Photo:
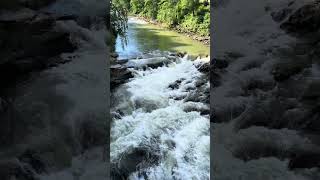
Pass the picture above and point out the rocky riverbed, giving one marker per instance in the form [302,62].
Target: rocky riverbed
[265,90]
[160,112]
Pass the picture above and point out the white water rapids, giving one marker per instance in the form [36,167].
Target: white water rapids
[155,118]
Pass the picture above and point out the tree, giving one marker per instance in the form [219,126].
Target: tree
[136,6]
[119,19]
[151,8]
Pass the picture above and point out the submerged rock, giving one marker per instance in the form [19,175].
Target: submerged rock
[175,85]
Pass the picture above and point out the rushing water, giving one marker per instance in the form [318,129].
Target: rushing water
[159,120]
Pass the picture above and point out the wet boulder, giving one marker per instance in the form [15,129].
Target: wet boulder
[153,62]
[119,75]
[198,96]
[220,63]
[36,42]
[202,81]
[114,55]
[204,67]
[261,113]
[280,15]
[13,169]
[231,56]
[181,54]
[251,149]
[36,4]
[91,133]
[176,84]
[305,160]
[312,91]
[258,85]
[305,20]
[226,112]
[294,118]
[148,105]
[33,158]
[285,69]
[203,109]
[135,160]
[52,155]
[312,123]
[258,142]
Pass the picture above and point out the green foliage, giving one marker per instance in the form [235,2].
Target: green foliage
[168,13]
[119,16]
[190,22]
[186,15]
[119,19]
[136,6]
[150,8]
[198,21]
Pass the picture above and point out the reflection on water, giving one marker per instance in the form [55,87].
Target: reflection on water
[144,38]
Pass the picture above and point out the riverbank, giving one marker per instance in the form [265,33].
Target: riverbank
[203,39]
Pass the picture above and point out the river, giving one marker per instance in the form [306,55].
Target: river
[144,37]
[160,127]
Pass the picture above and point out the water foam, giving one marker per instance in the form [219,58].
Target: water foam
[181,138]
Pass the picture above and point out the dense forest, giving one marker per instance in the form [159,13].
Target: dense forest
[183,15]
